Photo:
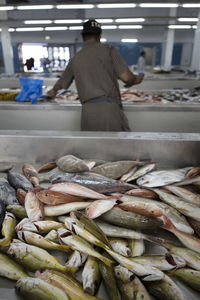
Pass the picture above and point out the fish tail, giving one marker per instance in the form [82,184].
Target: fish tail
[168,224]
[71,270]
[63,248]
[106,261]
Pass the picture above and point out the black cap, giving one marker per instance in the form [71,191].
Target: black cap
[92,27]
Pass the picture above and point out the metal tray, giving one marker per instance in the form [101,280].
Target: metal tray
[170,150]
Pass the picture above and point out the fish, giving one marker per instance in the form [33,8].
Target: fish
[120,232]
[144,193]
[194,172]
[116,169]
[195,225]
[41,227]
[120,246]
[70,163]
[31,174]
[187,209]
[35,239]
[143,208]
[35,258]
[91,276]
[10,269]
[109,280]
[78,243]
[76,259]
[18,210]
[186,239]
[188,276]
[34,208]
[47,167]
[185,194]
[8,229]
[66,283]
[7,193]
[137,247]
[128,174]
[93,181]
[187,181]
[55,198]
[192,258]
[131,220]
[165,262]
[18,181]
[63,209]
[5,167]
[142,171]
[2,213]
[87,228]
[162,178]
[52,236]
[39,289]
[165,289]
[147,272]
[76,190]
[21,195]
[99,207]
[132,287]
[176,218]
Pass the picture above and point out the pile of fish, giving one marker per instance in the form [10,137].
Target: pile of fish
[181,95]
[137,96]
[98,214]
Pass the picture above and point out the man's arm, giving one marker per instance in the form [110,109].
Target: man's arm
[130,79]
[62,83]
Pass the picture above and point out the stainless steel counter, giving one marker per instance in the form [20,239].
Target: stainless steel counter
[142,117]
[177,150]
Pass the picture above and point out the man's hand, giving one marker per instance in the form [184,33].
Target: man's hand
[52,93]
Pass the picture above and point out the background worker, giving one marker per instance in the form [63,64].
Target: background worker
[141,65]
[96,70]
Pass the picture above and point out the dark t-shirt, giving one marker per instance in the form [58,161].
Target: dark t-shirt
[96,69]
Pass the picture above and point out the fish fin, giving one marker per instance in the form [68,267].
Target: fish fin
[156,240]
[168,225]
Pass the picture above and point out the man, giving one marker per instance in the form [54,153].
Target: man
[96,69]
[141,62]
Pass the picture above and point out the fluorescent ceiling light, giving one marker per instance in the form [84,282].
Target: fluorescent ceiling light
[73,21]
[179,26]
[75,28]
[191,5]
[129,20]
[30,7]
[104,20]
[188,19]
[149,5]
[38,22]
[56,28]
[7,7]
[103,40]
[75,6]
[116,5]
[129,40]
[194,26]
[29,29]
[0,29]
[109,27]
[130,26]
[11,29]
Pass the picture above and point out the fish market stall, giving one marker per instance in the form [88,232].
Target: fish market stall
[152,117]
[170,151]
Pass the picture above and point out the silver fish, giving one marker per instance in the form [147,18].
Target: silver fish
[91,276]
[142,171]
[162,178]
[70,163]
[76,259]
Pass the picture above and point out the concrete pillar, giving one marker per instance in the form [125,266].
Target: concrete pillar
[169,43]
[195,65]
[7,50]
